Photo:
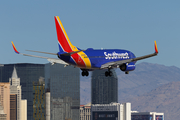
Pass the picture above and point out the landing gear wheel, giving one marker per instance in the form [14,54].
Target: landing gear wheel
[85,73]
[108,73]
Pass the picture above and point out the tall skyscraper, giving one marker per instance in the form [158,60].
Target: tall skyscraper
[64,83]
[28,73]
[39,100]
[5,97]
[104,90]
[15,88]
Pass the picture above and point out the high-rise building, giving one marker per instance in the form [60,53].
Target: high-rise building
[5,97]
[13,106]
[15,88]
[64,83]
[28,73]
[104,90]
[39,100]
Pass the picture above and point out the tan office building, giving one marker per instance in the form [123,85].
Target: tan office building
[5,97]
[2,114]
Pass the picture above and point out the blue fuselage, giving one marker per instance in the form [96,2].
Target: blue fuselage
[99,57]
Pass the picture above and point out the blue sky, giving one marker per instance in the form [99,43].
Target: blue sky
[131,25]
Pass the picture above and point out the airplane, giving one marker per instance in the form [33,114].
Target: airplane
[90,59]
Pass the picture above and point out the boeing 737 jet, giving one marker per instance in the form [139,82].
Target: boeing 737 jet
[90,59]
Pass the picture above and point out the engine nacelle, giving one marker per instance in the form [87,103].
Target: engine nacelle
[128,67]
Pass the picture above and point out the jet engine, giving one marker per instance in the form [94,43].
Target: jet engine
[127,67]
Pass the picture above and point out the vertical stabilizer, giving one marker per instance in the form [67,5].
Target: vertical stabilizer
[63,39]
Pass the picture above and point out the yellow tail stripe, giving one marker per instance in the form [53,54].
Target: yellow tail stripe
[85,59]
[72,46]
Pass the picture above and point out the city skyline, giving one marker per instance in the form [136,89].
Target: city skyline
[27,73]
[49,64]
[130,25]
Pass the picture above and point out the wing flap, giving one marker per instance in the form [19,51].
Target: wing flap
[53,60]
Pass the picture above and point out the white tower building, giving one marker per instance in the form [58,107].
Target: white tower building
[24,109]
[15,88]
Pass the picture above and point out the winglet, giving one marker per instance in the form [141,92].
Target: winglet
[156,49]
[14,47]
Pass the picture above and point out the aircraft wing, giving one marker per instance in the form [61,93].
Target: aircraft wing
[55,60]
[120,62]
[52,60]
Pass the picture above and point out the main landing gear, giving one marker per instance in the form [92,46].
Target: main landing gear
[85,73]
[108,73]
